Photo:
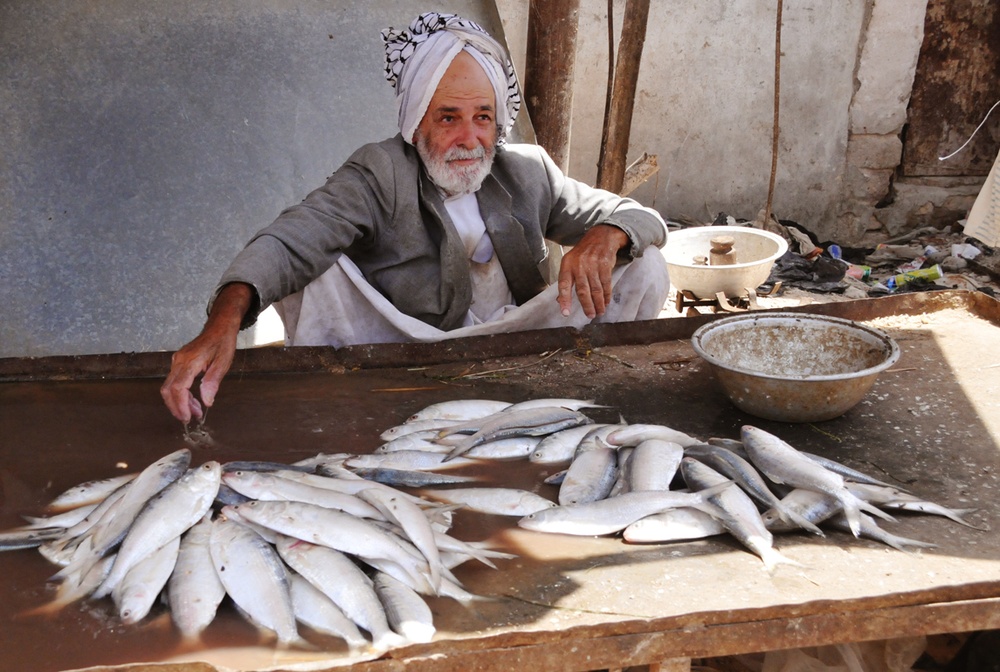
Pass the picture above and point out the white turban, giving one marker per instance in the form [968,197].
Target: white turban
[416,60]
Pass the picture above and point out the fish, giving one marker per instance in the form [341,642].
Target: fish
[167,515]
[528,422]
[459,410]
[314,609]
[273,487]
[340,579]
[406,611]
[634,434]
[138,589]
[870,530]
[63,520]
[731,465]
[609,516]
[424,440]
[415,525]
[784,464]
[411,478]
[891,497]
[511,448]
[653,464]
[680,524]
[329,527]
[845,471]
[417,460]
[497,501]
[559,447]
[557,402]
[412,426]
[812,505]
[590,476]
[194,590]
[89,492]
[254,577]
[738,513]
[117,518]
[28,537]
[262,465]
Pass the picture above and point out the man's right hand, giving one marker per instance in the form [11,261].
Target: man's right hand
[209,355]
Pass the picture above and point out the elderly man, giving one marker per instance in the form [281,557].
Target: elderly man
[435,233]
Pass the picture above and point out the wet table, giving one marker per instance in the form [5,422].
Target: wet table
[931,424]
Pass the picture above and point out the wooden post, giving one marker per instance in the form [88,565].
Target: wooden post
[611,165]
[549,65]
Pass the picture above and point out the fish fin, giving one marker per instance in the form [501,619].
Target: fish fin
[772,557]
[790,516]
[875,511]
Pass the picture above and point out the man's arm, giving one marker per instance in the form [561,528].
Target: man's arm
[210,353]
[587,267]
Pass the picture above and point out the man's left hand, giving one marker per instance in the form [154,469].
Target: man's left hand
[587,267]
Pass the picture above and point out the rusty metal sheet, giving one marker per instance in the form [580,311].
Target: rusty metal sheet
[930,423]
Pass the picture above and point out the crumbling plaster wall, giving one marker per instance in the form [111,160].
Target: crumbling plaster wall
[705,106]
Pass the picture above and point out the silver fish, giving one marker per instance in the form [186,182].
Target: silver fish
[731,465]
[812,505]
[871,530]
[845,471]
[528,422]
[417,460]
[144,581]
[609,516]
[653,464]
[634,434]
[254,577]
[590,476]
[90,492]
[194,590]
[318,611]
[559,447]
[739,514]
[415,426]
[28,537]
[411,519]
[273,487]
[495,501]
[329,527]
[154,478]
[678,524]
[784,464]
[406,478]
[65,520]
[555,402]
[167,515]
[405,609]
[890,497]
[425,440]
[340,579]
[459,409]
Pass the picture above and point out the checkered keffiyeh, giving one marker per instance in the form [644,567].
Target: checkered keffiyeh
[416,58]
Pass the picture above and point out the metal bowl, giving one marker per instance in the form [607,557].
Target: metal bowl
[794,367]
[756,251]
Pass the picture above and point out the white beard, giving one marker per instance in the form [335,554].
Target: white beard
[455,180]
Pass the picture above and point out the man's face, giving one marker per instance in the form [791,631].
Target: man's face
[456,138]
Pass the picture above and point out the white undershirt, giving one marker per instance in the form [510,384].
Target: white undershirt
[491,297]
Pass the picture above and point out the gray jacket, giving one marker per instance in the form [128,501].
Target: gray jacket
[382,210]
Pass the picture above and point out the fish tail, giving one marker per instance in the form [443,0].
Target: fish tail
[772,557]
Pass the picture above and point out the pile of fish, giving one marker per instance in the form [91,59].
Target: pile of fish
[340,554]
[649,483]
[333,543]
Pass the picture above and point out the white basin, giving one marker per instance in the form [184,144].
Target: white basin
[756,250]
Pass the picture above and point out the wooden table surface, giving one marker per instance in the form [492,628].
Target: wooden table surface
[931,424]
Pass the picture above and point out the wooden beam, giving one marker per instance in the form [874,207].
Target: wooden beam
[611,166]
[549,67]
